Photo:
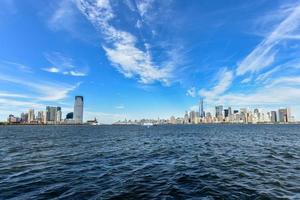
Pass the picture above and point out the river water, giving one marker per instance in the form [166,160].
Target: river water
[159,162]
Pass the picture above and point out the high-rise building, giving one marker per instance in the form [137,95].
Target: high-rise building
[229,111]
[58,114]
[273,116]
[51,114]
[283,115]
[193,117]
[186,118]
[244,115]
[226,112]
[24,117]
[201,109]
[40,117]
[78,110]
[219,112]
[31,116]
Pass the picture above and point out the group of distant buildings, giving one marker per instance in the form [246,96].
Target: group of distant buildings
[242,115]
[223,115]
[52,115]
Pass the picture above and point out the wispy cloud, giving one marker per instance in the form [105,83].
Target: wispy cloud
[143,6]
[224,80]
[191,92]
[12,95]
[265,53]
[63,65]
[15,66]
[122,47]
[47,91]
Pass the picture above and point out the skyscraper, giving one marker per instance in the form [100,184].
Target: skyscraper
[219,111]
[201,109]
[283,115]
[31,115]
[78,110]
[58,114]
[273,116]
[51,114]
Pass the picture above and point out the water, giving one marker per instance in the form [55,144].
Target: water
[160,162]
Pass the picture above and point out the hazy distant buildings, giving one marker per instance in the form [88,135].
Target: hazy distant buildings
[78,110]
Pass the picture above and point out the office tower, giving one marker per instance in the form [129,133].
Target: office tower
[69,115]
[273,116]
[226,112]
[58,114]
[40,117]
[219,112]
[186,118]
[31,116]
[283,115]
[24,117]
[201,109]
[51,114]
[193,117]
[235,112]
[289,115]
[78,110]
[244,115]
[229,111]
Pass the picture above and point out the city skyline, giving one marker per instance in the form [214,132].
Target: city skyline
[139,59]
[54,115]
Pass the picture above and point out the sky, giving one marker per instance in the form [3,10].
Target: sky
[148,58]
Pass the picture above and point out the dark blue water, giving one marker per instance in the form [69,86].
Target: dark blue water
[161,162]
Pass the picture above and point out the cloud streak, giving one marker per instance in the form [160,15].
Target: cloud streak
[225,79]
[264,54]
[121,47]
[62,65]
[45,90]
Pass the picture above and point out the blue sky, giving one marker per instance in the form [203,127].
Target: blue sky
[148,58]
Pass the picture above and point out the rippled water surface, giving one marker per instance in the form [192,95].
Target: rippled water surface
[160,162]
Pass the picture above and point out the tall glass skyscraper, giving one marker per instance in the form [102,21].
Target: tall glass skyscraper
[201,109]
[78,110]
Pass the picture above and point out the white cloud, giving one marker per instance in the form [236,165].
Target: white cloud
[143,6]
[15,66]
[44,90]
[224,78]
[191,92]
[12,95]
[120,107]
[289,80]
[63,65]
[52,69]
[121,47]
[264,54]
